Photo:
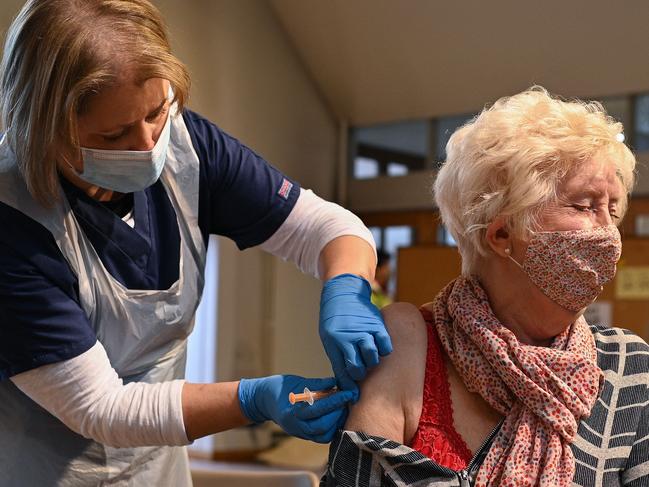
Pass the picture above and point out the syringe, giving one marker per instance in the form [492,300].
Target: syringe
[310,396]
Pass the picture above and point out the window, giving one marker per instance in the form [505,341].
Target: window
[444,237]
[365,168]
[400,148]
[396,169]
[641,123]
[390,239]
[201,347]
[619,108]
[393,149]
[397,149]
[445,128]
[377,233]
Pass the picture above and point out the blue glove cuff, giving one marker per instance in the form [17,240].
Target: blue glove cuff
[246,394]
[346,283]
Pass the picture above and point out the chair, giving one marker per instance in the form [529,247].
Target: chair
[252,478]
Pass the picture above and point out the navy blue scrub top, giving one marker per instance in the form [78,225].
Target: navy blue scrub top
[241,197]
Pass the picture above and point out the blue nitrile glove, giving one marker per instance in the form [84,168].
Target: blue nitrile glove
[351,329]
[266,398]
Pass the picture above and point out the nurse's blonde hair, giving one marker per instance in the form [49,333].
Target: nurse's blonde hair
[510,160]
[58,54]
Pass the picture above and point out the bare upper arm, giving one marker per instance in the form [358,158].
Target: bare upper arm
[391,394]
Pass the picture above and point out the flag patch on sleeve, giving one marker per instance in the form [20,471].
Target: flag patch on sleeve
[285,189]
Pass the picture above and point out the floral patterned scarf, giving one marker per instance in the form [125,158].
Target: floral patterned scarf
[543,392]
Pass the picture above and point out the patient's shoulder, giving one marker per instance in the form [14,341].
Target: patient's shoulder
[391,395]
[401,311]
[406,326]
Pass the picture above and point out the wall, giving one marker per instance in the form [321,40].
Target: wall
[387,60]
[247,78]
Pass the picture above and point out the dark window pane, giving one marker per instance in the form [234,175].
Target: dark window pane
[445,128]
[377,233]
[620,109]
[444,237]
[641,139]
[398,148]
[394,238]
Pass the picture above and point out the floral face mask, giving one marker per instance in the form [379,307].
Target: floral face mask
[570,267]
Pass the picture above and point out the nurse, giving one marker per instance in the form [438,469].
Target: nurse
[109,189]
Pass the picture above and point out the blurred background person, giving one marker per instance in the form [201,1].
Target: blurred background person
[380,294]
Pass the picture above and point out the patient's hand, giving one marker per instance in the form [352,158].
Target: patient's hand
[391,395]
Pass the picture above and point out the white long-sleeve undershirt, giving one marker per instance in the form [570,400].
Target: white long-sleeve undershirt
[85,392]
[310,226]
[86,395]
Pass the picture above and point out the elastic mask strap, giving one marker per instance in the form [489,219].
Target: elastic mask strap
[508,252]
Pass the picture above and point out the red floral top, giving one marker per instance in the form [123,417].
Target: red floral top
[436,436]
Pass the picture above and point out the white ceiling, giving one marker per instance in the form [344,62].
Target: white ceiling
[384,60]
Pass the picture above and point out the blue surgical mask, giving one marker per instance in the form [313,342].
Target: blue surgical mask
[126,171]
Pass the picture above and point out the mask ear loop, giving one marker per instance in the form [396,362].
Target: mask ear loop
[508,251]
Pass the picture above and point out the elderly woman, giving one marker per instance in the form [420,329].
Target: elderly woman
[500,381]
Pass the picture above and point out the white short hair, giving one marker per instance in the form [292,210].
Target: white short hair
[510,159]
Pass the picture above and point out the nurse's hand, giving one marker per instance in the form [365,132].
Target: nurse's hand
[267,398]
[351,329]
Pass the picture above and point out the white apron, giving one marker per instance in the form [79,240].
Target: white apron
[144,333]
